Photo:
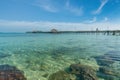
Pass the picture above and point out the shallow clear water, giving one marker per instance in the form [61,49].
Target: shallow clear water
[39,54]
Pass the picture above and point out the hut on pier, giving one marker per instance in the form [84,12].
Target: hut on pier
[54,31]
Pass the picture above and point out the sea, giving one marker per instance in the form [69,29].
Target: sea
[39,55]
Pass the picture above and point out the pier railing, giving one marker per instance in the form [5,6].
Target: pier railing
[104,32]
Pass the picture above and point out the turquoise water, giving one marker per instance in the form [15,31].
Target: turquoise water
[39,54]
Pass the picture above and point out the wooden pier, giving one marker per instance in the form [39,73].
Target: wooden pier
[104,32]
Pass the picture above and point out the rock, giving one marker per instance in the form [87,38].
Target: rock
[104,60]
[108,59]
[11,73]
[83,72]
[113,55]
[108,72]
[3,55]
[60,75]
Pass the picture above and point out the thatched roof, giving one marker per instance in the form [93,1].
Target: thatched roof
[54,31]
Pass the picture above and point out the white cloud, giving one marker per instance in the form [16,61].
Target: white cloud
[103,3]
[23,26]
[105,19]
[49,8]
[52,6]
[76,10]
[47,5]
[93,20]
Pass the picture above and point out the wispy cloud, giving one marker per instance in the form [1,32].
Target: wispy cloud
[54,6]
[46,5]
[23,26]
[49,8]
[105,19]
[93,20]
[76,10]
[103,3]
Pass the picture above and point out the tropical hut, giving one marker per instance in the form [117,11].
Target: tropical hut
[54,31]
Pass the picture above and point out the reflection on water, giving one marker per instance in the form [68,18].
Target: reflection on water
[41,56]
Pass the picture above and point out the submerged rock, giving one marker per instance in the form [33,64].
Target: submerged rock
[108,59]
[106,70]
[113,55]
[60,75]
[11,73]
[108,73]
[83,72]
[104,60]
[3,55]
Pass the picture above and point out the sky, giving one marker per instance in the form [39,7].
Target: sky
[71,15]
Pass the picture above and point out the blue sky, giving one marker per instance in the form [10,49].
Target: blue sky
[27,15]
